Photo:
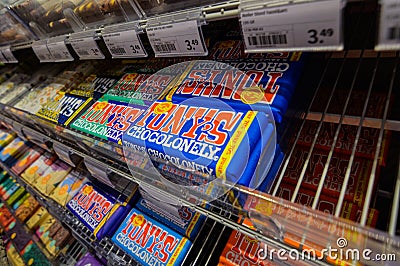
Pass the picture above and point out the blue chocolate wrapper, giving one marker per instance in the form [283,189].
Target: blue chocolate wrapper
[149,241]
[275,78]
[206,136]
[98,210]
[188,224]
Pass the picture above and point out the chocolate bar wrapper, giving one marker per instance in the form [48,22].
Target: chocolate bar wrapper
[52,176]
[108,119]
[10,152]
[187,224]
[98,210]
[3,177]
[31,155]
[58,241]
[38,167]
[5,138]
[140,228]
[63,108]
[127,89]
[49,233]
[366,146]
[28,207]
[89,259]
[6,185]
[94,86]
[14,256]
[325,203]
[10,191]
[372,218]
[244,134]
[67,188]
[37,218]
[18,235]
[45,225]
[13,94]
[20,201]
[6,216]
[32,255]
[33,101]
[19,193]
[359,175]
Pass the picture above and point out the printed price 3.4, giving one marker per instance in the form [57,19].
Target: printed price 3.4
[316,36]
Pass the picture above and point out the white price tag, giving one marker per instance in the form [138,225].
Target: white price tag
[314,25]
[9,55]
[177,39]
[60,52]
[86,48]
[124,44]
[42,52]
[2,58]
[389,26]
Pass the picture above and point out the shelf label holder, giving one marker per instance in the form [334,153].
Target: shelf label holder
[311,25]
[58,49]
[389,26]
[98,171]
[84,44]
[123,40]
[177,34]
[8,55]
[42,51]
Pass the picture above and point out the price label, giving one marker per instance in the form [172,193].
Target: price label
[59,51]
[314,25]
[9,55]
[86,48]
[178,39]
[124,44]
[63,154]
[98,171]
[42,52]
[389,26]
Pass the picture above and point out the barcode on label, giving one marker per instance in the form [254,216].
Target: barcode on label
[273,39]
[84,52]
[117,50]
[165,48]
[393,33]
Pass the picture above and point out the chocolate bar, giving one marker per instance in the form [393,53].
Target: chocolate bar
[45,225]
[38,167]
[67,188]
[28,207]
[10,152]
[19,193]
[98,210]
[20,201]
[358,181]
[37,218]
[18,235]
[63,108]
[31,155]
[10,191]
[13,255]
[52,176]
[205,137]
[149,241]
[58,241]
[108,119]
[188,223]
[94,86]
[50,232]
[89,259]
[5,138]
[6,216]
[32,255]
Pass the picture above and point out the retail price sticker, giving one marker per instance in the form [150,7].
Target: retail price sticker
[42,52]
[8,55]
[177,39]
[389,26]
[124,44]
[305,26]
[86,48]
[59,51]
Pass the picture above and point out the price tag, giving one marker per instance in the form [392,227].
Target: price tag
[389,26]
[86,48]
[9,55]
[314,25]
[59,51]
[124,44]
[98,171]
[177,39]
[63,154]
[42,52]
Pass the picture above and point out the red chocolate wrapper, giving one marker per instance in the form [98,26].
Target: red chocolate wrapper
[358,181]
